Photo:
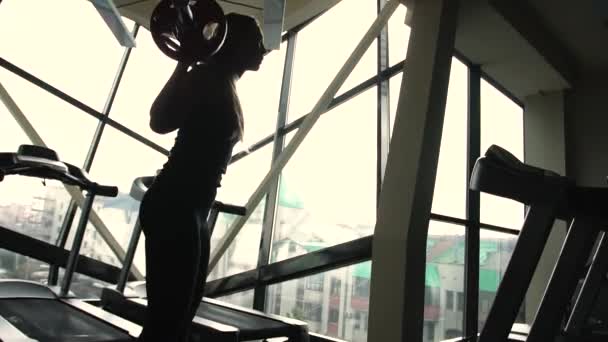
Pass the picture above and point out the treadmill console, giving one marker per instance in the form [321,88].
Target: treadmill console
[37,151]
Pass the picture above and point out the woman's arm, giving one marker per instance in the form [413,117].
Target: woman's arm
[173,103]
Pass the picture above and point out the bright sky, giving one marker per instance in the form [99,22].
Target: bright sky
[333,171]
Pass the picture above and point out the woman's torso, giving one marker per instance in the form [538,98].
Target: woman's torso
[202,150]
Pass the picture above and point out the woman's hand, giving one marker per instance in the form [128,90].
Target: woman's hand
[172,105]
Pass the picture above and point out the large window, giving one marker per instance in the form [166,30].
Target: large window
[259,94]
[327,308]
[328,188]
[65,43]
[120,213]
[501,124]
[338,31]
[28,206]
[398,36]
[495,251]
[327,192]
[241,179]
[443,314]
[336,303]
[145,75]
[52,118]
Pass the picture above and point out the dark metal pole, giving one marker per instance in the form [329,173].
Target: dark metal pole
[259,299]
[72,263]
[471,267]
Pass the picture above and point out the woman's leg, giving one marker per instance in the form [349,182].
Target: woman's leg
[172,263]
[199,289]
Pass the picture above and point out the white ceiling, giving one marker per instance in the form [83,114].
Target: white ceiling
[542,45]
[296,11]
[580,26]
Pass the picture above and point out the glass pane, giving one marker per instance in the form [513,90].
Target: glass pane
[328,188]
[65,43]
[502,125]
[240,181]
[93,244]
[451,183]
[398,36]
[259,93]
[118,162]
[27,205]
[244,299]
[336,303]
[244,176]
[30,208]
[323,48]
[444,288]
[51,117]
[17,266]
[495,251]
[146,73]
[242,255]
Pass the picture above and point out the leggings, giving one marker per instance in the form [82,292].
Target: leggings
[177,256]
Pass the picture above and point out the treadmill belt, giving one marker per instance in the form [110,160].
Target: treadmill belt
[48,320]
[249,325]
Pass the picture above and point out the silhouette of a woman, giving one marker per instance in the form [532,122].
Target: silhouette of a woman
[200,101]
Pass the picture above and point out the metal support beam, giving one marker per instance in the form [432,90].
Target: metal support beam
[259,298]
[399,249]
[307,125]
[471,267]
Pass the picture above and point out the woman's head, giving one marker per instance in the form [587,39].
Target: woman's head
[243,48]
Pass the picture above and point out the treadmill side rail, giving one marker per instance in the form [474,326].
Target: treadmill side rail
[286,320]
[16,288]
[120,323]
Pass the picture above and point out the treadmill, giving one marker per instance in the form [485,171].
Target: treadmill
[564,313]
[30,311]
[215,320]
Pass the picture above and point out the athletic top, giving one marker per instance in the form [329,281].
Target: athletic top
[202,148]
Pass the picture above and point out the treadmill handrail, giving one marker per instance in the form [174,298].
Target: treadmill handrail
[32,166]
[502,174]
[141,184]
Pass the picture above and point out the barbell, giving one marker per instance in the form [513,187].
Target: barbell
[188,30]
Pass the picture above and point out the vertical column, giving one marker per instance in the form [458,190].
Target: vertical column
[259,298]
[399,249]
[471,266]
[545,147]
